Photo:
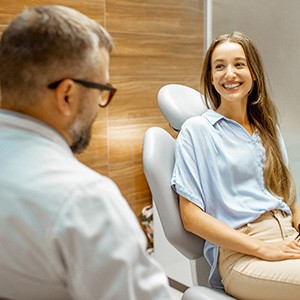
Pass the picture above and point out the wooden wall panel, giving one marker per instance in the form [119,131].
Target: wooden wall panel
[157,42]
[167,17]
[93,8]
[155,55]
[137,96]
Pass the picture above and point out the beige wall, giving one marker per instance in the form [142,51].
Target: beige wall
[157,42]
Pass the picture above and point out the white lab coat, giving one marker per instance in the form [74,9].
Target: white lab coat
[66,232]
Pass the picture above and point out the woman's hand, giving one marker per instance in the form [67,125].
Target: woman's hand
[211,229]
[279,250]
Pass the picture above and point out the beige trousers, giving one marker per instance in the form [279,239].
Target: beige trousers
[246,277]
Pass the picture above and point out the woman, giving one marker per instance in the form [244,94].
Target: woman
[231,174]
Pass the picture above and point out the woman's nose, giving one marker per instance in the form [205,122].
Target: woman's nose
[230,72]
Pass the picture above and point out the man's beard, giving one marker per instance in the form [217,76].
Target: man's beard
[81,131]
[81,140]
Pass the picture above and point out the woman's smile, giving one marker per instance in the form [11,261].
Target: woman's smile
[231,85]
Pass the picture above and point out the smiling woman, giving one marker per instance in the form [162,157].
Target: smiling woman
[231,174]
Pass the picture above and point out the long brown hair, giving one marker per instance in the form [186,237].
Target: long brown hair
[261,113]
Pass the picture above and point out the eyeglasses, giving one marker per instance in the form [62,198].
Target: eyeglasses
[107,91]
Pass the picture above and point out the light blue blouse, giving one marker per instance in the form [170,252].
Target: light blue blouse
[219,167]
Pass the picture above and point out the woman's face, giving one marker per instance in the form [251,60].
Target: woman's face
[231,76]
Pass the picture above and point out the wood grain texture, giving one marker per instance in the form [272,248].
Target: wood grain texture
[93,8]
[96,154]
[168,17]
[156,56]
[156,43]
[137,96]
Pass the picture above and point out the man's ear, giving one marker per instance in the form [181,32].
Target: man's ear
[65,96]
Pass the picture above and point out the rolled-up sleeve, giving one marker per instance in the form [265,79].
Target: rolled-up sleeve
[186,177]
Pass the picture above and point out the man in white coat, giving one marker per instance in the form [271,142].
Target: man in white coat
[66,232]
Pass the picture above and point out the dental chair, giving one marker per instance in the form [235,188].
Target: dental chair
[177,103]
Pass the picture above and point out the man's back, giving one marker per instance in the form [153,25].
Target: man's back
[64,228]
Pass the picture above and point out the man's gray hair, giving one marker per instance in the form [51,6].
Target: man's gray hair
[44,44]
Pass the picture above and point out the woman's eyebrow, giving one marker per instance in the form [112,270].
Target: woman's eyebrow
[222,59]
[218,60]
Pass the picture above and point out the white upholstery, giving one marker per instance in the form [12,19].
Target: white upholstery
[158,159]
[178,103]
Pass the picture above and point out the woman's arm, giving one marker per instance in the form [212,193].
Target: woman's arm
[195,220]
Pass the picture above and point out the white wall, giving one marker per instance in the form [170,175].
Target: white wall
[274,26]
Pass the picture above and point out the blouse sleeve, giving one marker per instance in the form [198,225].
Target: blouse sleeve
[186,179]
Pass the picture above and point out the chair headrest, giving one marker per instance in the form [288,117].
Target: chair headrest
[178,102]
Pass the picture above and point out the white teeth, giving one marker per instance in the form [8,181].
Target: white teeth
[231,86]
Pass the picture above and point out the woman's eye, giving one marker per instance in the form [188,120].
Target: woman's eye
[240,65]
[219,67]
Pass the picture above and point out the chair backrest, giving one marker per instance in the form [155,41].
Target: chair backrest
[158,160]
[177,103]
